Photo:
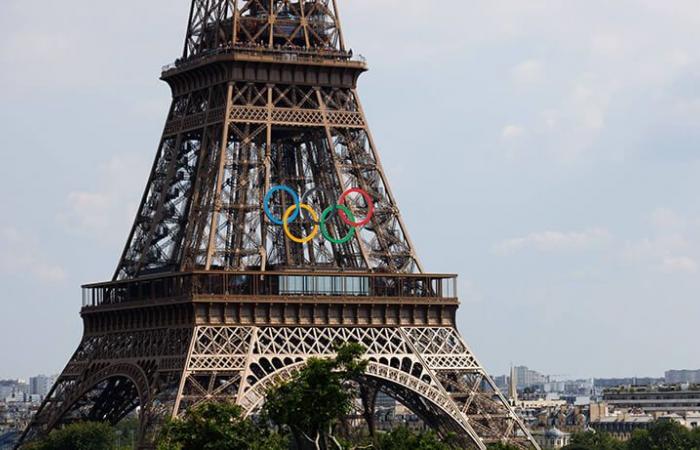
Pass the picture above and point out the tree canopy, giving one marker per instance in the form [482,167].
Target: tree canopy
[218,426]
[317,397]
[402,438]
[594,441]
[502,447]
[78,436]
[662,435]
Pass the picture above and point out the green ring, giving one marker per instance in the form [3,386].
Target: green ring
[324,230]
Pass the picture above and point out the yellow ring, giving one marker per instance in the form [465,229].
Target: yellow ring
[285,223]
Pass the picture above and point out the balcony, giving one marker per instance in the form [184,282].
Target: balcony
[286,55]
[273,286]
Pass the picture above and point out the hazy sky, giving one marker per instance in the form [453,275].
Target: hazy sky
[547,151]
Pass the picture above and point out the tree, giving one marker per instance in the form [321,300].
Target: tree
[695,438]
[662,435]
[217,426]
[594,441]
[127,433]
[78,436]
[500,446]
[317,397]
[402,439]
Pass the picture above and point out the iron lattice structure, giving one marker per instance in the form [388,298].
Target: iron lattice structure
[211,300]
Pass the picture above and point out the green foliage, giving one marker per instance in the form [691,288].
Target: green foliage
[695,436]
[317,396]
[402,439]
[127,432]
[78,436]
[594,441]
[500,446]
[217,426]
[663,435]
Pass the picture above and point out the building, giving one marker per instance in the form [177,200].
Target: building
[14,417]
[622,426]
[654,399]
[12,391]
[621,423]
[40,385]
[502,382]
[633,381]
[513,387]
[527,378]
[682,376]
[551,438]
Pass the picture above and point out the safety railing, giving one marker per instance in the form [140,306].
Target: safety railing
[198,285]
[280,54]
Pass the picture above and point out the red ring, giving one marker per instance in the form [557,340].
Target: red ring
[370,205]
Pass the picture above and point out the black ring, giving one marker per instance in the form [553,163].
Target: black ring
[314,190]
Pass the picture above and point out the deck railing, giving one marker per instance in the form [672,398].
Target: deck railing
[282,54]
[198,285]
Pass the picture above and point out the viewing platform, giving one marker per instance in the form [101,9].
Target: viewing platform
[280,55]
[271,298]
[240,286]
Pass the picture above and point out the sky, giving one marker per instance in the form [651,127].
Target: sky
[546,151]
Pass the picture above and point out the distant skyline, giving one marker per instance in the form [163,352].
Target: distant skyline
[556,377]
[547,151]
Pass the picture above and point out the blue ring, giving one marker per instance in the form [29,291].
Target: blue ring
[268,197]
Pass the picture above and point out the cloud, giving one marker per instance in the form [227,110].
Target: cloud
[679,264]
[667,219]
[88,211]
[554,241]
[590,104]
[512,131]
[528,72]
[20,254]
[107,211]
[674,247]
[655,249]
[47,51]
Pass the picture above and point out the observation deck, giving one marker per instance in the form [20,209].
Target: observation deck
[250,63]
[273,298]
[284,55]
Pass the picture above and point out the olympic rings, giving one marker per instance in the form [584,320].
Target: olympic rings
[324,228]
[286,220]
[317,190]
[320,224]
[268,197]
[370,205]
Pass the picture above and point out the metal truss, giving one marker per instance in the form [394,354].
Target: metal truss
[431,370]
[112,374]
[307,24]
[202,208]
[265,95]
[164,372]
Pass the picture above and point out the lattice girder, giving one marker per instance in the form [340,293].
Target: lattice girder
[431,366]
[221,24]
[167,370]
[225,146]
[112,374]
[265,95]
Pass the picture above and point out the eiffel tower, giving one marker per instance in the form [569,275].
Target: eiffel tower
[268,234]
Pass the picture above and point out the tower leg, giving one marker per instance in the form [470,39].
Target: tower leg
[430,370]
[113,375]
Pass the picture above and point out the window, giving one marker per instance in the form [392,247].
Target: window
[324,285]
